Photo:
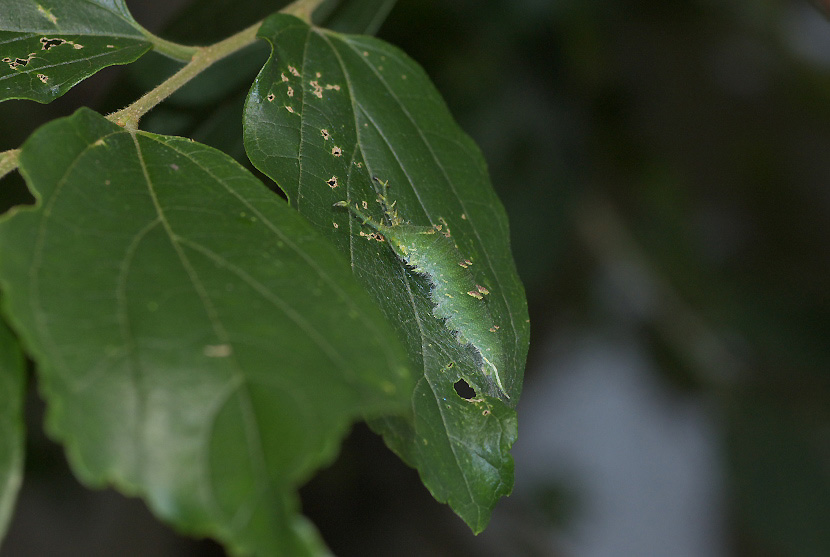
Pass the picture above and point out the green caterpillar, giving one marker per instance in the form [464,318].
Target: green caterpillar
[457,299]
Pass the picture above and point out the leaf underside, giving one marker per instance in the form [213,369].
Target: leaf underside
[328,113]
[197,342]
[49,46]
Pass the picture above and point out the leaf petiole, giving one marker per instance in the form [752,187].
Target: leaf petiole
[8,161]
[170,49]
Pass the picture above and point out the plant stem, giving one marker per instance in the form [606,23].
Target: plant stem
[8,161]
[302,8]
[200,59]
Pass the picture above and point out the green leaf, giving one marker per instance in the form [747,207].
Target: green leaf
[198,343]
[326,114]
[12,382]
[48,47]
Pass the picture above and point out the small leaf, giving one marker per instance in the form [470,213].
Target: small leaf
[12,381]
[197,342]
[326,114]
[48,47]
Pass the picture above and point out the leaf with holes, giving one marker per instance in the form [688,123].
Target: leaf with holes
[49,46]
[326,114]
[11,423]
[197,342]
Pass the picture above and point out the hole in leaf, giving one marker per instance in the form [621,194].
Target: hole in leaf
[464,390]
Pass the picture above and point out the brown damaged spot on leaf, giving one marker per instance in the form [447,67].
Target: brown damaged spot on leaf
[293,71]
[290,109]
[332,182]
[283,77]
[482,289]
[445,226]
[325,133]
[337,151]
[43,78]
[317,89]
[290,91]
[376,236]
[48,43]
[15,63]
[271,97]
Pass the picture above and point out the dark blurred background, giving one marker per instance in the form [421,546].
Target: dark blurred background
[666,168]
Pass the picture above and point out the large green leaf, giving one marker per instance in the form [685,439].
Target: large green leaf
[198,343]
[327,113]
[46,47]
[11,424]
